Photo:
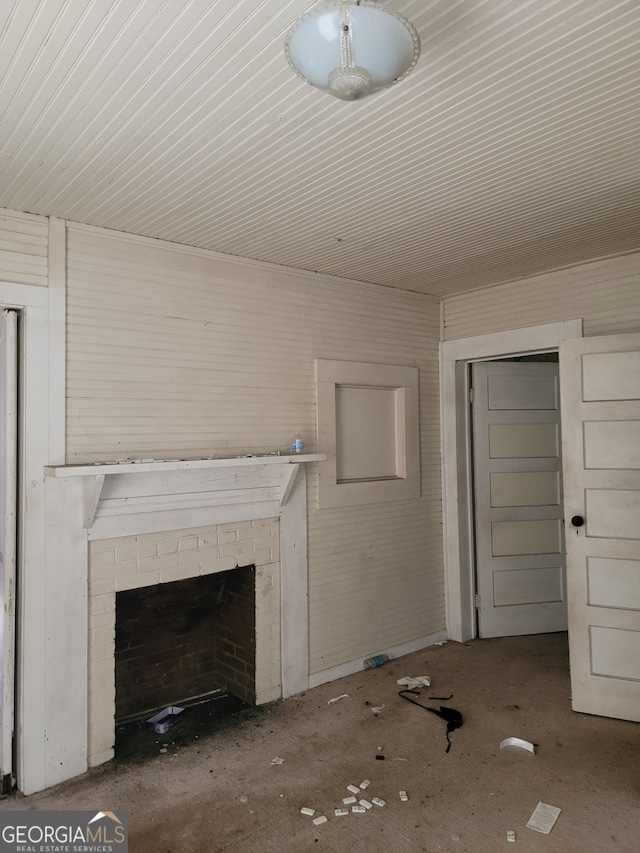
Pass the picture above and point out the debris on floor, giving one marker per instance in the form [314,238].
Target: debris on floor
[377,710]
[161,722]
[511,836]
[543,818]
[337,698]
[414,682]
[276,761]
[351,804]
[375,661]
[521,744]
[452,717]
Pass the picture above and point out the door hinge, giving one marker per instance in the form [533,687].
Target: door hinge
[477,601]
[471,395]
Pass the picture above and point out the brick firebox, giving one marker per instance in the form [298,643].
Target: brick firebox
[156,561]
[183,640]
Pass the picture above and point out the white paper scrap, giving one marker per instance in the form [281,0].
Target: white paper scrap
[353,789]
[337,698]
[516,741]
[543,818]
[321,819]
[348,800]
[307,811]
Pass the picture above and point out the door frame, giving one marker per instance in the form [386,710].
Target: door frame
[41,438]
[457,507]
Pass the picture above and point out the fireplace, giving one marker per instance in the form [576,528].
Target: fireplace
[182,641]
[145,526]
[155,564]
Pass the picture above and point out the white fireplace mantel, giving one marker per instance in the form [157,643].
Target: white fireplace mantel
[138,499]
[109,500]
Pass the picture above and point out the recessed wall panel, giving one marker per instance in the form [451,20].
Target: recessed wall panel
[517,538]
[528,488]
[613,513]
[522,392]
[365,433]
[527,586]
[611,376]
[523,441]
[615,652]
[612,444]
[613,583]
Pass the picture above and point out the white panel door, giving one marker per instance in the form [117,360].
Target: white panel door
[520,576]
[8,530]
[600,380]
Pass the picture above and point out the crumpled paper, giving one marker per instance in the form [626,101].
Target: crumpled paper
[412,682]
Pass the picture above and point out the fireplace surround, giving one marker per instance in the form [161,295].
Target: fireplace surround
[125,526]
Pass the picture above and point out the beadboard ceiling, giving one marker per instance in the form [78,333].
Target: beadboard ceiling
[513,148]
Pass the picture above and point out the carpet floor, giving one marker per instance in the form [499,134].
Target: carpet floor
[221,792]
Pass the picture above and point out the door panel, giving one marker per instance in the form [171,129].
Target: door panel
[612,444]
[601,425]
[518,498]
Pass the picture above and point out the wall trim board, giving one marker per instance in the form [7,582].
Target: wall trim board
[352,666]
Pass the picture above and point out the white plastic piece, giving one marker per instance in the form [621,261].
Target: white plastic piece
[521,744]
[414,681]
[404,796]
[543,818]
[340,812]
[307,811]
[358,809]
[366,804]
[276,761]
[365,783]
[353,789]
[349,800]
[378,802]
[321,819]
[511,836]
[337,698]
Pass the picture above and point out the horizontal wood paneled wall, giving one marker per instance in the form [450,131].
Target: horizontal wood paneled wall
[23,248]
[173,352]
[606,294]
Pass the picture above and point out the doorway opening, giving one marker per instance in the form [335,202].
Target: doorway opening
[457,485]
[516,495]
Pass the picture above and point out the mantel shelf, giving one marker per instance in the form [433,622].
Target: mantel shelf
[177,465]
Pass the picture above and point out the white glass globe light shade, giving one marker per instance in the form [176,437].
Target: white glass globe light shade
[352,49]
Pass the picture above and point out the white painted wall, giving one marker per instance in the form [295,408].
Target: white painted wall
[23,248]
[606,294]
[174,351]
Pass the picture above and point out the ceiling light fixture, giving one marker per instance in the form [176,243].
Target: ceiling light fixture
[352,49]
